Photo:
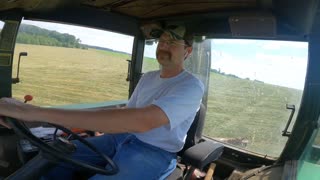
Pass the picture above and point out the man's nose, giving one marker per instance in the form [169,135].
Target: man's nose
[163,45]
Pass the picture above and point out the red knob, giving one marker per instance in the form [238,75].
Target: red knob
[27,98]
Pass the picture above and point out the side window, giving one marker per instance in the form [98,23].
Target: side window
[315,152]
[63,64]
[309,162]
[251,84]
[149,57]
[1,26]
[317,142]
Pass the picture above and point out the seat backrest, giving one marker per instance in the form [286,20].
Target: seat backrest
[195,131]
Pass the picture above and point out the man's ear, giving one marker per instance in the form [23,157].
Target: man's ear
[188,52]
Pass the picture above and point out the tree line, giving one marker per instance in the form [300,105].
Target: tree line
[29,34]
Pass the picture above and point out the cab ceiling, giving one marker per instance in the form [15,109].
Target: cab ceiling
[293,19]
[142,9]
[162,8]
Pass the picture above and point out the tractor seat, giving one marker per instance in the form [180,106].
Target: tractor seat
[196,153]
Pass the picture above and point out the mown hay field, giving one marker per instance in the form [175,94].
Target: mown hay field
[60,76]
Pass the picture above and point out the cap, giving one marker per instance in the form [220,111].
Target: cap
[177,32]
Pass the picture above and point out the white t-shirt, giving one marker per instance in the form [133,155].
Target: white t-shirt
[179,97]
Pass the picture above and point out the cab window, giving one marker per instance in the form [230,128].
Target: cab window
[1,26]
[251,84]
[65,64]
[150,62]
[309,162]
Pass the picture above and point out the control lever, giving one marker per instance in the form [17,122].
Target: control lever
[27,98]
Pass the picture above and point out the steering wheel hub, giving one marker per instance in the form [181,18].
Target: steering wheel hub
[62,148]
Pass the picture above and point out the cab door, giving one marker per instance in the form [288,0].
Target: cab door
[9,24]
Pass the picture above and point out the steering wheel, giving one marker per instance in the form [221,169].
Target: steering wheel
[61,155]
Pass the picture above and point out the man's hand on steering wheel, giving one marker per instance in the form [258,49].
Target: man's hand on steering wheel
[16,109]
[11,110]
[7,107]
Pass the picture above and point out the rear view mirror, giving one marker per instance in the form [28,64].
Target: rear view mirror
[16,79]
[150,42]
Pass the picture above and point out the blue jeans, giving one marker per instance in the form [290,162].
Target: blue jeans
[135,159]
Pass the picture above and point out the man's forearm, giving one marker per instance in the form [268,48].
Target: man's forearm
[109,121]
[103,120]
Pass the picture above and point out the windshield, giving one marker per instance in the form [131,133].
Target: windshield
[251,83]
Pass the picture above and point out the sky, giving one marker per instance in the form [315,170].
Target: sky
[281,63]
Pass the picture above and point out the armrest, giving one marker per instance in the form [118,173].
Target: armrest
[202,154]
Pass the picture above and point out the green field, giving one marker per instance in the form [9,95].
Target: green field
[237,108]
[59,76]
[254,111]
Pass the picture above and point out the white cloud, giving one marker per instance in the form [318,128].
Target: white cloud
[279,70]
[233,42]
[274,45]
[232,65]
[284,70]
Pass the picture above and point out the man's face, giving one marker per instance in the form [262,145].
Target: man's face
[170,52]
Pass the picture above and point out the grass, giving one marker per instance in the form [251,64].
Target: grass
[237,108]
[59,76]
[149,64]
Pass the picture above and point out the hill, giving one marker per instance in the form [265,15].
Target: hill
[30,34]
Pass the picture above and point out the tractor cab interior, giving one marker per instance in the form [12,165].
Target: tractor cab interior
[258,61]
